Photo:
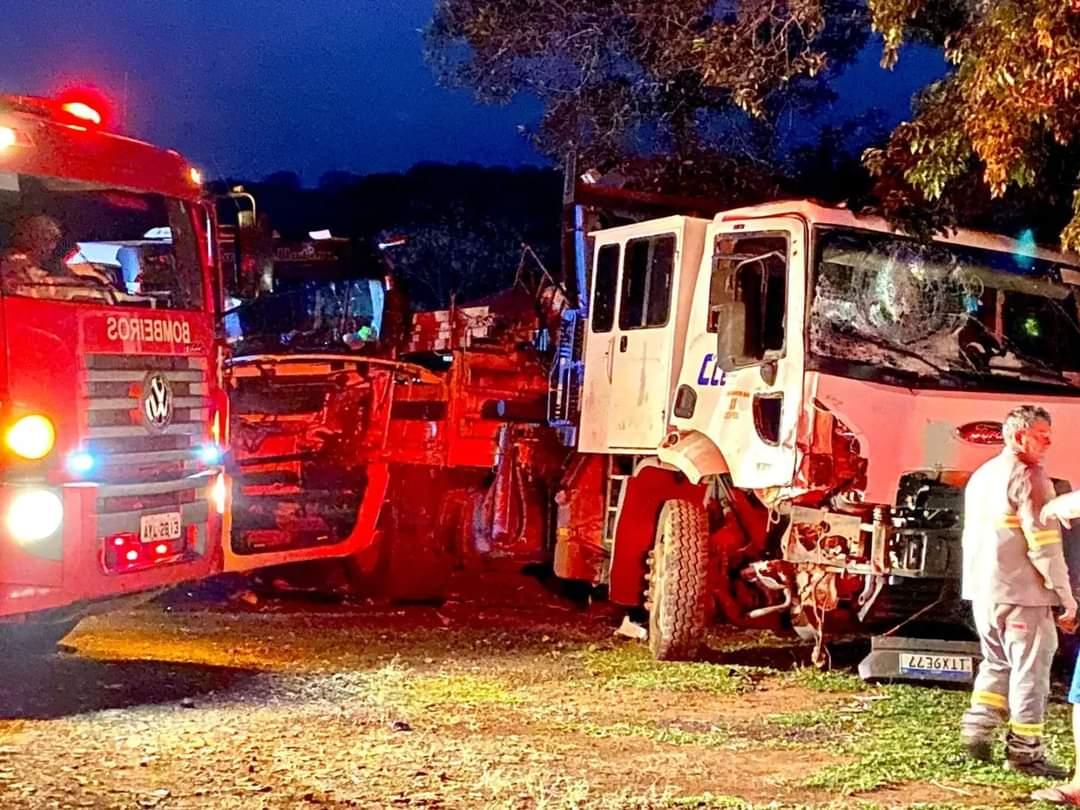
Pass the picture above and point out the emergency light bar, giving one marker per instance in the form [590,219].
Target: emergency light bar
[71,108]
[82,111]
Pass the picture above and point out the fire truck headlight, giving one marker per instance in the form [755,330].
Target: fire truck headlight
[7,137]
[34,514]
[219,494]
[31,437]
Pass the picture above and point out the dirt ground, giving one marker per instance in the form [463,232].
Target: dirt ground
[504,697]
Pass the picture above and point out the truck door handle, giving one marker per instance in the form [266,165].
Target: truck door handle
[610,359]
[623,343]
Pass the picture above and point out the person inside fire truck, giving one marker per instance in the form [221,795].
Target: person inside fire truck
[27,260]
[31,259]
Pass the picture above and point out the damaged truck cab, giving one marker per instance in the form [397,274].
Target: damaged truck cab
[780,408]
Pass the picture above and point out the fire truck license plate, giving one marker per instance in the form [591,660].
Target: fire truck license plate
[944,666]
[154,528]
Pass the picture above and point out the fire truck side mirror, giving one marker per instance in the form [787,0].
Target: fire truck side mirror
[254,259]
[247,248]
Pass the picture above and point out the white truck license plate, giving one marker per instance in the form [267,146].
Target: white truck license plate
[944,666]
[155,528]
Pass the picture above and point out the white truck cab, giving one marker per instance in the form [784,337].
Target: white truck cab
[787,400]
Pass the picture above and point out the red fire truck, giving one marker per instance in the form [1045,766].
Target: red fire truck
[112,417]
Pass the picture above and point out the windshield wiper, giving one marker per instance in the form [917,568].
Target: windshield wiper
[942,371]
[1032,363]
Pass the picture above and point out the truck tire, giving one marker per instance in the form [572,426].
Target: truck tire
[34,638]
[678,596]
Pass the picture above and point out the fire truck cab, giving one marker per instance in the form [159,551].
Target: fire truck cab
[111,409]
[780,407]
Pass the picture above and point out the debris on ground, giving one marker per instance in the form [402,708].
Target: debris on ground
[631,629]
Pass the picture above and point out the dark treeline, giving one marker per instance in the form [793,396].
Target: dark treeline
[464,224]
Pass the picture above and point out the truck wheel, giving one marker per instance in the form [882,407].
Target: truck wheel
[678,595]
[34,638]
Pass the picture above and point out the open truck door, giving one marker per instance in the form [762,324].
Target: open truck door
[310,393]
[304,435]
[744,355]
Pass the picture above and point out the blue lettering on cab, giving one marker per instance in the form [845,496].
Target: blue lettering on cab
[710,373]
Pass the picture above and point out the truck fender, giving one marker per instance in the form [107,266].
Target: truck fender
[643,496]
[693,454]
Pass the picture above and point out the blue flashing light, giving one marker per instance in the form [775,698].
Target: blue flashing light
[80,462]
[210,454]
[1026,248]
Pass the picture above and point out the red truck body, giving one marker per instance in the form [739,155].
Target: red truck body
[115,350]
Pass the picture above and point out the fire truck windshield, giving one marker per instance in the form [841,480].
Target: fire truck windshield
[68,241]
[942,315]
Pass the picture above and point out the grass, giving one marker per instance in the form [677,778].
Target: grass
[825,681]
[889,736]
[632,667]
[713,738]
[910,734]
[461,690]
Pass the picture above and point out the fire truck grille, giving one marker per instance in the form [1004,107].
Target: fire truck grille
[136,466]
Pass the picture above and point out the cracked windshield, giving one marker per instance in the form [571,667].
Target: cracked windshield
[959,316]
[68,241]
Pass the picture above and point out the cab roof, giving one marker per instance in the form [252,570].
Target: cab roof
[50,142]
[817,214]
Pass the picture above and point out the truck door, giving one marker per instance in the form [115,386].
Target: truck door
[746,367]
[600,351]
[643,343]
[283,508]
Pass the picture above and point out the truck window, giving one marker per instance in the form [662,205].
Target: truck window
[748,293]
[79,242]
[646,284]
[957,316]
[607,273]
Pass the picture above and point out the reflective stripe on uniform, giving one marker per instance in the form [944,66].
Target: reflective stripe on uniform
[1027,729]
[1044,537]
[1007,522]
[991,699]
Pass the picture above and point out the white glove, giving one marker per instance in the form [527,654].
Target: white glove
[1063,508]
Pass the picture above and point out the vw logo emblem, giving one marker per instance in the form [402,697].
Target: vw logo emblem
[157,402]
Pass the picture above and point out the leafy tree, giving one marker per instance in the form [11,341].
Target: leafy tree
[1000,128]
[683,93]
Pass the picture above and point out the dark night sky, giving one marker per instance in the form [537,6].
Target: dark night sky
[247,88]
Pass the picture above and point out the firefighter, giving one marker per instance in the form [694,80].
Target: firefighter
[1015,578]
[33,246]
[1066,508]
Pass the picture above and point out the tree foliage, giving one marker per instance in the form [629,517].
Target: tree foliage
[684,93]
[1000,126]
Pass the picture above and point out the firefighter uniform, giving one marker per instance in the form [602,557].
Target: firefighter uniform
[1015,576]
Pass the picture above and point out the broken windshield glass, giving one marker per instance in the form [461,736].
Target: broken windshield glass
[886,301]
